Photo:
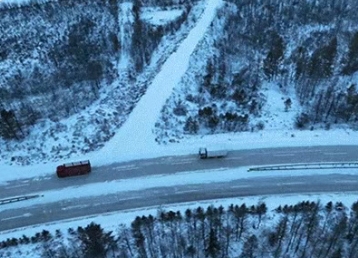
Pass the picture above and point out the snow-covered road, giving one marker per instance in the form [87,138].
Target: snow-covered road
[149,173]
[129,194]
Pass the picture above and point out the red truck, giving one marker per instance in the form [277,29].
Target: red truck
[74,169]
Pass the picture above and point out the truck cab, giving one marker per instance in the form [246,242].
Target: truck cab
[203,153]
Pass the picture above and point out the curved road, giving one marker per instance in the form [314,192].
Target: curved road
[39,214]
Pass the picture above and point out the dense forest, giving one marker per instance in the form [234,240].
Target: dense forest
[308,48]
[55,57]
[307,229]
[72,71]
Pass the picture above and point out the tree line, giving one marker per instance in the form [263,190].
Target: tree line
[306,229]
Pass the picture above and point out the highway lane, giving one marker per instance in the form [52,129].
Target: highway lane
[50,212]
[176,164]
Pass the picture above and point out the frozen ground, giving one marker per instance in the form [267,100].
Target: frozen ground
[136,140]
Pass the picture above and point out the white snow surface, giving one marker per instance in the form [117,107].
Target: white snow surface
[159,17]
[138,127]
[135,140]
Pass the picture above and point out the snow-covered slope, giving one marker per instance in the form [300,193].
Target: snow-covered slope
[138,128]
[95,110]
[286,70]
[146,114]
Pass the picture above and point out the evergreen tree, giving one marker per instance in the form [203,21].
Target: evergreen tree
[138,47]
[351,64]
[9,126]
[275,55]
[95,242]
[321,64]
[213,247]
[250,247]
[191,125]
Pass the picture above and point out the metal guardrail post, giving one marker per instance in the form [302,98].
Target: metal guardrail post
[17,199]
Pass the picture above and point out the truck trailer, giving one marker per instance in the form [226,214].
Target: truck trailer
[204,153]
[74,169]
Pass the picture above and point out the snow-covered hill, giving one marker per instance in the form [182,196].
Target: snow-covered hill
[287,69]
[155,78]
[58,123]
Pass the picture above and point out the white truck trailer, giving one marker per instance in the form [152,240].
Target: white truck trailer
[204,153]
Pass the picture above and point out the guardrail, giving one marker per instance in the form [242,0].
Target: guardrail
[324,165]
[17,199]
